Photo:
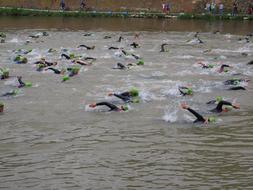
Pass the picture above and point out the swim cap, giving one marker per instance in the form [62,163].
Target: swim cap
[189,91]
[212,119]
[28,84]
[219,98]
[125,108]
[72,56]
[140,62]
[1,104]
[15,92]
[134,91]
[210,66]
[226,70]
[65,78]
[228,108]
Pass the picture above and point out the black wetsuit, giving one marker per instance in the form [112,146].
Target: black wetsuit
[134,45]
[250,63]
[163,47]
[120,38]
[66,56]
[21,83]
[107,37]
[120,66]
[87,47]
[111,106]
[90,58]
[218,108]
[11,93]
[125,96]
[233,81]
[181,90]
[223,66]
[135,56]
[113,48]
[200,41]
[237,88]
[56,71]
[200,118]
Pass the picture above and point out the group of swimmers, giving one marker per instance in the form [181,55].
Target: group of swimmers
[131,96]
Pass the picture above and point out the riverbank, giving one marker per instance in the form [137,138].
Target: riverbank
[8,11]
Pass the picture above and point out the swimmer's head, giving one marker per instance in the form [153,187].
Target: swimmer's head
[212,119]
[219,98]
[124,108]
[134,92]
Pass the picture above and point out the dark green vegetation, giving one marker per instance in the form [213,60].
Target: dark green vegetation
[36,12]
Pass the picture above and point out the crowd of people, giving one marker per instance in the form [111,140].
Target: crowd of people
[132,95]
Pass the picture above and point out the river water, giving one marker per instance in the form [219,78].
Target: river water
[51,139]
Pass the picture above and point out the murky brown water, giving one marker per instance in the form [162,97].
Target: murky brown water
[49,139]
[121,24]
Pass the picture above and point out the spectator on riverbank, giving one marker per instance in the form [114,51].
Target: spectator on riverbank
[208,7]
[250,9]
[221,9]
[82,4]
[164,7]
[167,8]
[62,4]
[235,9]
[213,8]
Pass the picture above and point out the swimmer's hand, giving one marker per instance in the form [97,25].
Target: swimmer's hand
[184,106]
[235,105]
[92,105]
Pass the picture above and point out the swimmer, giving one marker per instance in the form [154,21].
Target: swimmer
[2,35]
[68,57]
[223,68]
[204,66]
[216,101]
[113,48]
[23,84]
[43,61]
[227,106]
[10,93]
[89,58]
[56,71]
[109,105]
[4,73]
[135,45]
[185,90]
[120,38]
[1,107]
[200,118]
[72,71]
[88,34]
[120,66]
[80,62]
[235,81]
[250,63]
[237,88]
[163,47]
[20,59]
[107,37]
[87,47]
[128,96]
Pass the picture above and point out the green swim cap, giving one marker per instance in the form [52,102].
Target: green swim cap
[134,92]
[125,108]
[1,104]
[219,98]
[65,78]
[28,84]
[236,82]
[2,35]
[72,56]
[15,92]
[210,66]
[229,108]
[189,91]
[17,58]
[226,70]
[212,119]
[140,62]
